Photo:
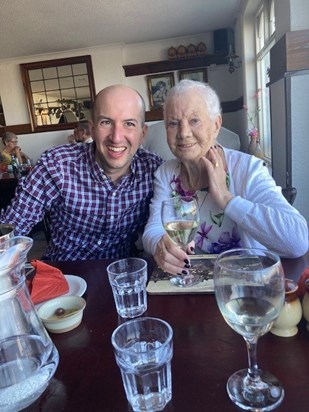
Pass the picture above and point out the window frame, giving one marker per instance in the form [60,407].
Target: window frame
[29,70]
[265,11]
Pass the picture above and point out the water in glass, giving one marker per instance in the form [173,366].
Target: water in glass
[249,288]
[143,351]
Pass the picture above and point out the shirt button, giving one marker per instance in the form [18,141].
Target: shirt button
[99,242]
[112,217]
[114,194]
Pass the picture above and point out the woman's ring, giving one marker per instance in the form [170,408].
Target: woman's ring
[216,164]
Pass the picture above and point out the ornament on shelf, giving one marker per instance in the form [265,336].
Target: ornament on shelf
[191,51]
[172,53]
[201,49]
[183,52]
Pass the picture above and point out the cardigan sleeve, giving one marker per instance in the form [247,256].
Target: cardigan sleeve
[261,211]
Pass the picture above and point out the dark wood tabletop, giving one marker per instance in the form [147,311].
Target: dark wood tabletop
[206,352]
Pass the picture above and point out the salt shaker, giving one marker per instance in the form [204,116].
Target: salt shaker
[291,312]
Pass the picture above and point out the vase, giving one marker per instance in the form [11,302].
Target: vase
[255,148]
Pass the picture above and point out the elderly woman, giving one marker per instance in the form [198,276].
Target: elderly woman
[10,143]
[240,204]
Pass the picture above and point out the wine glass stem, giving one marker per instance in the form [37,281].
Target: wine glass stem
[253,370]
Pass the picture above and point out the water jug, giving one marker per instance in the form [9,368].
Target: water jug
[28,357]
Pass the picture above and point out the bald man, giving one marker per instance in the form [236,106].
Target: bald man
[96,195]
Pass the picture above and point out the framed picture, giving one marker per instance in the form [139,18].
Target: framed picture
[158,86]
[199,75]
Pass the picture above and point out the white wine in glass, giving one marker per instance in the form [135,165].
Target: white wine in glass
[250,290]
[180,219]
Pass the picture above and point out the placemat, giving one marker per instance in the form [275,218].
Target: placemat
[159,283]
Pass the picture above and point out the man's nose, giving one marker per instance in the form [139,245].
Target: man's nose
[117,133]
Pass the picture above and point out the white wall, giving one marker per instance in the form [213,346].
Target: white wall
[291,15]
[107,64]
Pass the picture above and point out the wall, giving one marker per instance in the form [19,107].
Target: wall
[107,64]
[291,15]
[290,121]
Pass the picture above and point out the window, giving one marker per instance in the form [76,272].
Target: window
[264,35]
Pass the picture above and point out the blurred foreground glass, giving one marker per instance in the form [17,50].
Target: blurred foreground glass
[180,219]
[250,289]
[143,351]
[128,278]
[28,357]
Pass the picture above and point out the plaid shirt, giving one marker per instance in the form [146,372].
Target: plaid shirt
[91,217]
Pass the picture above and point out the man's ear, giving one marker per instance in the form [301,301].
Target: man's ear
[91,127]
[144,133]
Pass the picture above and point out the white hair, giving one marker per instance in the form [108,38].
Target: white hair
[209,95]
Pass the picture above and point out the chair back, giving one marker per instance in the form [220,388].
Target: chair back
[290,194]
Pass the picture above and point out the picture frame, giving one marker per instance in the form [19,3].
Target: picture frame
[158,86]
[195,74]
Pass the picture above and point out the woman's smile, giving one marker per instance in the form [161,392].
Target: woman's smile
[186,145]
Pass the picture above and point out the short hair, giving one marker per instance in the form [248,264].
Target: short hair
[8,136]
[84,125]
[209,95]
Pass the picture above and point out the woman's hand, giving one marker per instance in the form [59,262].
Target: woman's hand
[215,165]
[171,258]
[18,154]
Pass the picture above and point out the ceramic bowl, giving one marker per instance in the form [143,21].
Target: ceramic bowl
[66,321]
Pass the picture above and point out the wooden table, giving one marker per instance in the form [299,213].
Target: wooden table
[206,352]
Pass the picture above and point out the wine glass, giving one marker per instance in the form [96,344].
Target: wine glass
[180,218]
[250,290]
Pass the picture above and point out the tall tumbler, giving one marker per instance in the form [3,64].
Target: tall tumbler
[143,350]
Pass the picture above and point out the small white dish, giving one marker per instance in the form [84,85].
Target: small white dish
[77,286]
[67,322]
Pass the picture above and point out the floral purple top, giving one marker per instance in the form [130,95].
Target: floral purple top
[216,232]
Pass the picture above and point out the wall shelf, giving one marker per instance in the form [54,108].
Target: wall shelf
[171,65]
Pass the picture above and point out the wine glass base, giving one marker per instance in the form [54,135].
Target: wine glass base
[265,394]
[185,281]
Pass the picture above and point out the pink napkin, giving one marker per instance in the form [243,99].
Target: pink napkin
[48,282]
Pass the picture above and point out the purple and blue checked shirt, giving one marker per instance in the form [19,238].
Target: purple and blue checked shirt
[91,217]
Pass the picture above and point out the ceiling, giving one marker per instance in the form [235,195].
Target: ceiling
[30,27]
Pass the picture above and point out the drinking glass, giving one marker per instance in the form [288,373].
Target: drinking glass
[180,218]
[250,289]
[143,350]
[128,278]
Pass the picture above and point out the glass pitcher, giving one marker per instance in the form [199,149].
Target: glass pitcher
[28,357]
